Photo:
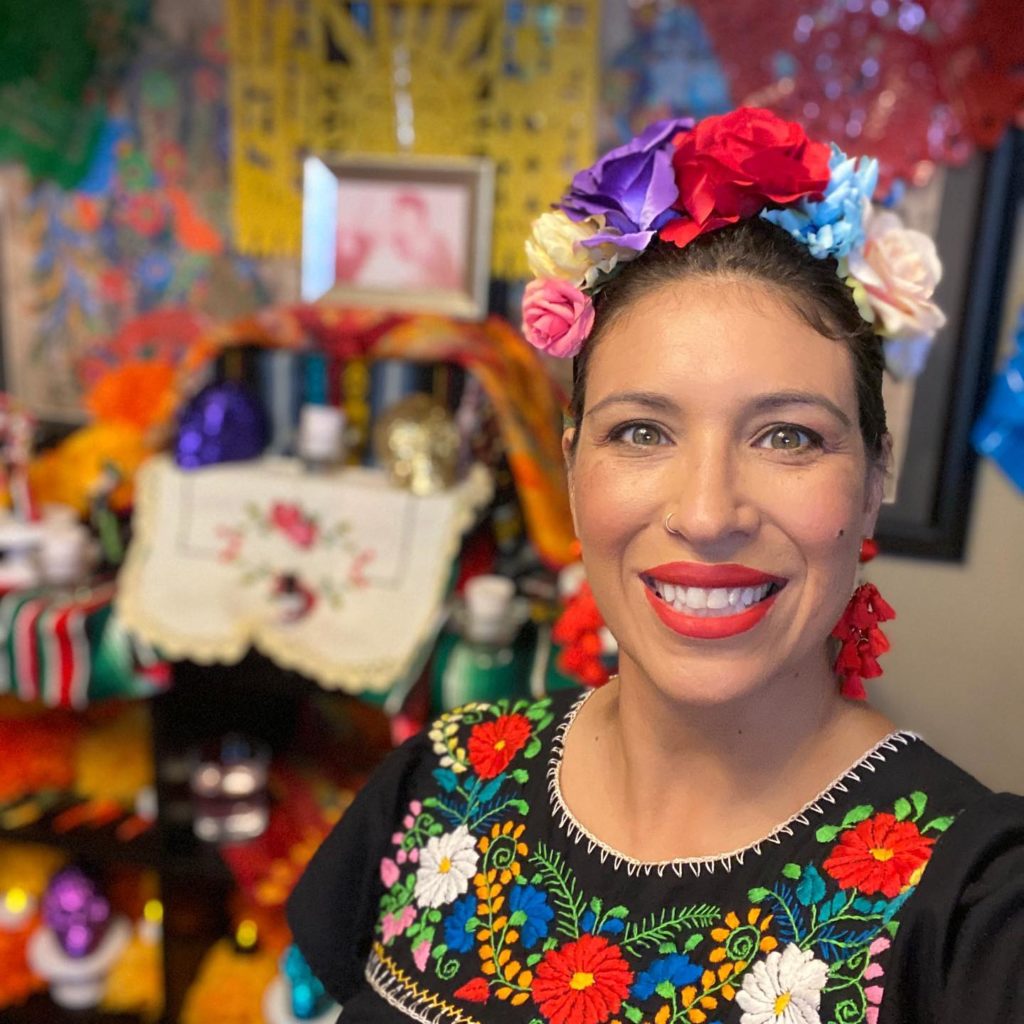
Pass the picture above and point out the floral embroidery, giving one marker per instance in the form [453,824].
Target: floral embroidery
[879,855]
[492,745]
[447,863]
[481,910]
[784,988]
[582,982]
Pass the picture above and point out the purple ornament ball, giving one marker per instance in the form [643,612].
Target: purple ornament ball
[76,911]
[224,422]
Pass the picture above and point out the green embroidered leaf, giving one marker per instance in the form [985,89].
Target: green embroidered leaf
[939,824]
[665,989]
[827,833]
[634,1015]
[539,710]
[891,927]
[532,748]
[439,951]
[758,895]
[473,924]
[658,928]
[857,814]
[433,916]
[534,958]
[619,912]
[550,944]
[693,942]
[667,947]
[521,775]
[901,809]
[561,883]
[596,905]
[793,871]
[518,919]
[519,805]
[920,802]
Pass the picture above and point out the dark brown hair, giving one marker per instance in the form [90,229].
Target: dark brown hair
[755,250]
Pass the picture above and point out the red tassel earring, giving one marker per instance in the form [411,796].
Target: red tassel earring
[860,635]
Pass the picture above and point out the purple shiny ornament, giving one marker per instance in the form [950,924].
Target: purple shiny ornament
[225,422]
[632,186]
[76,911]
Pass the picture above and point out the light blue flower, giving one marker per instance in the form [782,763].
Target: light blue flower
[675,968]
[533,902]
[833,225]
[457,936]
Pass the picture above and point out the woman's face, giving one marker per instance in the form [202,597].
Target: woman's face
[712,401]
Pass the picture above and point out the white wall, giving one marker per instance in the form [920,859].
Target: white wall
[956,670]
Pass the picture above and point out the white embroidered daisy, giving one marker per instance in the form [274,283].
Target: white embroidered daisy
[784,988]
[447,863]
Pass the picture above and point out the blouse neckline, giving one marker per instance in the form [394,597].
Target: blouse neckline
[575,830]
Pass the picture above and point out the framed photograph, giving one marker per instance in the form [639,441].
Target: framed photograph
[405,233]
[976,208]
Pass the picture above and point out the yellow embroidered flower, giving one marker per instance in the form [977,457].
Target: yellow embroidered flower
[698,1002]
[739,942]
[444,736]
[505,850]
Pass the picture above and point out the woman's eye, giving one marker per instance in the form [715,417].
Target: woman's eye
[788,438]
[641,434]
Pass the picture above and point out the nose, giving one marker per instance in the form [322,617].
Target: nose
[709,505]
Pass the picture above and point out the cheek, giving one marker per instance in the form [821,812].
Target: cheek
[611,503]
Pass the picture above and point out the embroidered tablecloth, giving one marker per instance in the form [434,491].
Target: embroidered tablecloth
[340,576]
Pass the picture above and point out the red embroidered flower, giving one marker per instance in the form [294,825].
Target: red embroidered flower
[731,166]
[492,745]
[582,982]
[298,528]
[474,991]
[879,855]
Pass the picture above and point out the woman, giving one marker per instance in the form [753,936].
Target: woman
[720,833]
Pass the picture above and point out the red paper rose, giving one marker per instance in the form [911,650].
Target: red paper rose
[492,745]
[879,855]
[732,166]
[582,982]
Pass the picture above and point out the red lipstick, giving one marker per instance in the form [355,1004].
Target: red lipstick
[710,577]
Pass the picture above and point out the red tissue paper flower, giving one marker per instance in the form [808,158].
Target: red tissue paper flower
[732,166]
[582,982]
[492,745]
[879,855]
[577,633]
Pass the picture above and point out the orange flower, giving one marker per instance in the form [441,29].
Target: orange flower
[739,942]
[140,393]
[879,855]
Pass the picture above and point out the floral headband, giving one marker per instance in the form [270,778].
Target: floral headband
[679,180]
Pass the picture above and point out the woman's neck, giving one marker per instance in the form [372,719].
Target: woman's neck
[697,780]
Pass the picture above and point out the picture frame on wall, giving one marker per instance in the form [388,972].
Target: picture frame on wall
[930,514]
[403,233]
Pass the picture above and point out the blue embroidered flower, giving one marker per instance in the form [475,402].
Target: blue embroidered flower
[675,968]
[533,903]
[833,225]
[457,936]
[610,925]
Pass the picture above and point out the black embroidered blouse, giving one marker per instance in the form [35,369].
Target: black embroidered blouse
[459,888]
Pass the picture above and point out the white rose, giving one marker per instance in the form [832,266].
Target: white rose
[895,273]
[555,249]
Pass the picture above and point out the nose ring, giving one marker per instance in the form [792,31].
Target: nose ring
[668,524]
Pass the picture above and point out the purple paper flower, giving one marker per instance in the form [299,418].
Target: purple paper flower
[633,186]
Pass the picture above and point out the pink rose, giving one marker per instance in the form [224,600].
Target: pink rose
[557,316]
[894,275]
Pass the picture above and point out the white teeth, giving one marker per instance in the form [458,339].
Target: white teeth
[702,601]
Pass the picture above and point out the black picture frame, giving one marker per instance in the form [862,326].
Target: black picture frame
[931,514]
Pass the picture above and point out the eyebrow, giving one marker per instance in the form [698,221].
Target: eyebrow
[763,403]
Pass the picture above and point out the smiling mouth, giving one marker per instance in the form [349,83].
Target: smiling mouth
[711,602]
